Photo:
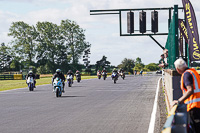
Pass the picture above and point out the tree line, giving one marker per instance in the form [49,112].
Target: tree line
[48,46]
[127,65]
[130,64]
[45,46]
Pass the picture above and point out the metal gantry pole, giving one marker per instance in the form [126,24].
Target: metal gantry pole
[120,23]
[119,11]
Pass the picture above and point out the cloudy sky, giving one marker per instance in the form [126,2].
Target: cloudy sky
[102,31]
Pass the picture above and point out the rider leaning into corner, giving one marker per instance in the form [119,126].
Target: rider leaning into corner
[60,75]
[31,74]
[71,73]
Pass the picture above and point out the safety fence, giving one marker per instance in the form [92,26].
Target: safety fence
[6,77]
[172,40]
[177,120]
[11,77]
[15,77]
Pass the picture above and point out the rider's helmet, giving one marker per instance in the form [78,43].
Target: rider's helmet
[114,69]
[30,72]
[70,71]
[58,71]
[77,71]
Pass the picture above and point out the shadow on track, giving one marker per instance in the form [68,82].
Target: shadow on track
[71,96]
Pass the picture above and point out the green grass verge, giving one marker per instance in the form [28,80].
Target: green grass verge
[14,84]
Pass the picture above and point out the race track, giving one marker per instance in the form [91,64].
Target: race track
[92,106]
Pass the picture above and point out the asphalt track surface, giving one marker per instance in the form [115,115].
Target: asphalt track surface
[92,106]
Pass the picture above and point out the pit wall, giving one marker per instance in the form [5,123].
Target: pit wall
[171,85]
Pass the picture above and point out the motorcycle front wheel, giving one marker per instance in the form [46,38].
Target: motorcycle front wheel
[30,87]
[69,85]
[58,93]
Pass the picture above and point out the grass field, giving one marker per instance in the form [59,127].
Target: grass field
[15,84]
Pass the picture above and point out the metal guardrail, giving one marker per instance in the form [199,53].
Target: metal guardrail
[177,120]
[6,77]
[15,77]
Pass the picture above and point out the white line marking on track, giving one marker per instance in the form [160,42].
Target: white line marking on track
[153,114]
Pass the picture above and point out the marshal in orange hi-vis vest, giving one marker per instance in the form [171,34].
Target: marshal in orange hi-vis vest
[194,100]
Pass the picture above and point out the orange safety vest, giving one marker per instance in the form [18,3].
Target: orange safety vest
[194,100]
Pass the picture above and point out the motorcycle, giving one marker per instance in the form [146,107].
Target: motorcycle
[58,87]
[114,76]
[30,82]
[122,75]
[69,80]
[104,74]
[78,77]
[99,75]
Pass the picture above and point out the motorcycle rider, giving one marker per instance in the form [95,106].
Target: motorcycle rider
[78,73]
[135,72]
[71,73]
[141,72]
[31,74]
[60,75]
[121,71]
[115,71]
[104,70]
[98,73]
